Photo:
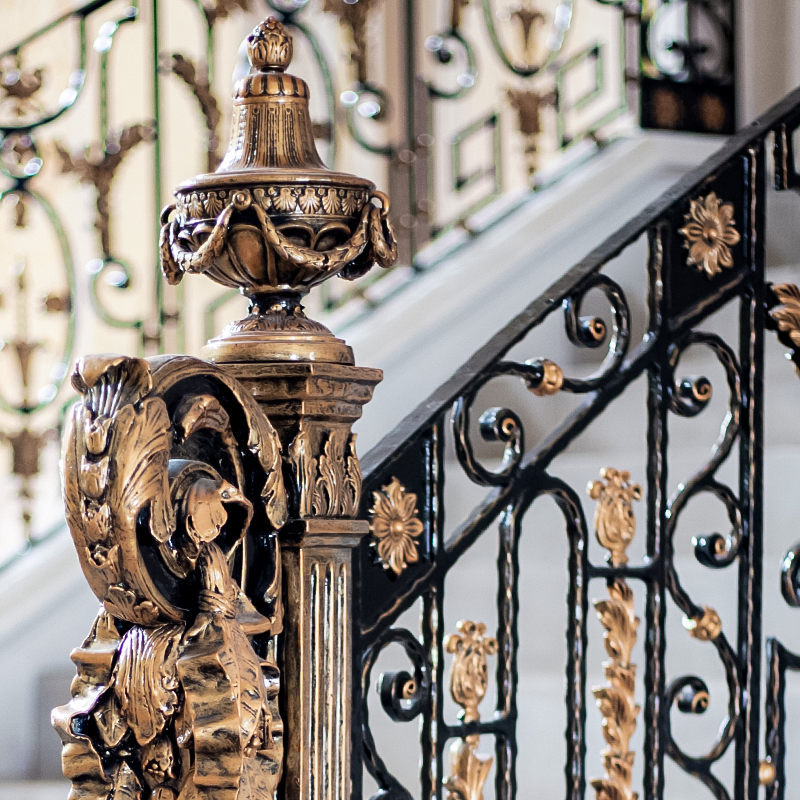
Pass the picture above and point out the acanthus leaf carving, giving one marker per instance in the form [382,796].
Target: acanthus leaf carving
[181,702]
[327,485]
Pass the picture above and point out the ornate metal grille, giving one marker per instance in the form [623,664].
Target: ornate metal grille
[705,251]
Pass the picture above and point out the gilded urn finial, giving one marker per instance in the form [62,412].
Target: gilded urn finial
[273,221]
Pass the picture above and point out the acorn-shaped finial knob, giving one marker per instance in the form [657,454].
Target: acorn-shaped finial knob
[269,47]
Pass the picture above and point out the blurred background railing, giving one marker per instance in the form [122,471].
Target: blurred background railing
[460,108]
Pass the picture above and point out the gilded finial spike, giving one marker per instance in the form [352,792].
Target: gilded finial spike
[269,46]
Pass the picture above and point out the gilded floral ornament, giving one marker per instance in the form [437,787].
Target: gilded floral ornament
[710,232]
[469,679]
[395,526]
[469,676]
[19,87]
[614,519]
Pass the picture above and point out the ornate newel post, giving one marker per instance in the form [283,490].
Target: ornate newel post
[277,224]
[245,523]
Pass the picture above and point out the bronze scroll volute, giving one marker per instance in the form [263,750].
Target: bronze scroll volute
[272,221]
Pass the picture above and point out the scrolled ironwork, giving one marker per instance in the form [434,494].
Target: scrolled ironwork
[591,332]
[400,704]
[680,301]
[687,398]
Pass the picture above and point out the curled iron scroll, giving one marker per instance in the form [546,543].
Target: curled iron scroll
[403,697]
[542,377]
[689,693]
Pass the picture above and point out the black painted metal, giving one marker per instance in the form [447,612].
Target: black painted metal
[680,298]
[697,92]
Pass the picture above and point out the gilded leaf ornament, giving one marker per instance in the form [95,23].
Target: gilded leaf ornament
[395,526]
[469,679]
[354,16]
[709,233]
[530,19]
[328,485]
[786,315]
[195,76]
[97,165]
[615,526]
[19,87]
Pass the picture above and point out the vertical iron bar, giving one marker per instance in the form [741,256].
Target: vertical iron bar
[657,494]
[751,480]
[775,718]
[432,634]
[428,728]
[577,642]
[438,683]
[437,618]
[508,648]
[103,99]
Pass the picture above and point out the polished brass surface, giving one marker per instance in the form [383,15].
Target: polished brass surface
[395,526]
[709,233]
[272,221]
[615,526]
[317,655]
[767,773]
[213,508]
[469,679]
[706,628]
[169,685]
[313,405]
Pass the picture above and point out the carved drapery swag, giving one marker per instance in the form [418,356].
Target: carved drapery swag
[173,486]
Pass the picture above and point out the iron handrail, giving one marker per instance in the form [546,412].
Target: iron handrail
[466,376]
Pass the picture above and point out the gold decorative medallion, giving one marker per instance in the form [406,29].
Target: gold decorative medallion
[469,679]
[395,526]
[710,232]
[616,525]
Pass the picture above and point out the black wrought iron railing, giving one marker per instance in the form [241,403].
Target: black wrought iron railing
[706,250]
